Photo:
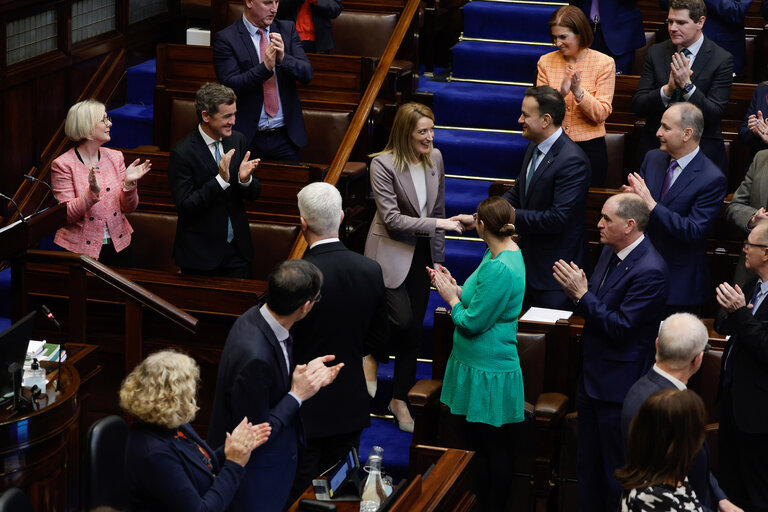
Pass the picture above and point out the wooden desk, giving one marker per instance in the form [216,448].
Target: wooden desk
[445,488]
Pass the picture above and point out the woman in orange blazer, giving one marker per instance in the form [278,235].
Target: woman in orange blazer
[407,235]
[586,78]
[97,188]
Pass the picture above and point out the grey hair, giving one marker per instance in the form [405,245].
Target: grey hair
[320,205]
[630,206]
[691,117]
[681,338]
[210,95]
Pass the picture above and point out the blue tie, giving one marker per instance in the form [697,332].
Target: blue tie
[532,168]
[230,231]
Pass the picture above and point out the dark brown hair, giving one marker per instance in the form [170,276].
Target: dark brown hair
[573,19]
[664,437]
[497,215]
[696,8]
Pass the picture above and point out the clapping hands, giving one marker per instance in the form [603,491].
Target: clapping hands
[136,171]
[244,439]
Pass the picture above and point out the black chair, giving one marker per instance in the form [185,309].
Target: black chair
[14,500]
[105,462]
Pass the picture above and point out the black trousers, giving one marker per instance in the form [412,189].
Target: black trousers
[232,265]
[743,460]
[274,145]
[407,305]
[112,258]
[598,160]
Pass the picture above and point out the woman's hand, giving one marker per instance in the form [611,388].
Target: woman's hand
[446,273]
[449,225]
[446,286]
[135,172]
[576,89]
[93,183]
[565,85]
[243,439]
[758,126]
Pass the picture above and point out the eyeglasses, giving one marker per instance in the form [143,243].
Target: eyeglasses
[474,216]
[317,298]
[747,243]
[106,119]
[706,349]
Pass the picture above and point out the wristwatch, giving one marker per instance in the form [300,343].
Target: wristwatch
[687,88]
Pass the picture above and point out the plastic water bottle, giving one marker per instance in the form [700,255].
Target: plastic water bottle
[373,490]
[35,376]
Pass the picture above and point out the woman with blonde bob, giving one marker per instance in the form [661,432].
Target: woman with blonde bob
[97,188]
[664,437]
[168,466]
[407,234]
[483,381]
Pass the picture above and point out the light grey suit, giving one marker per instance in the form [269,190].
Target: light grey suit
[397,224]
[403,243]
[751,195]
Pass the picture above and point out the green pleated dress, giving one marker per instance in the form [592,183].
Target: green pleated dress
[483,380]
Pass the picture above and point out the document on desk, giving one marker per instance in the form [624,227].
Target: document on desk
[545,315]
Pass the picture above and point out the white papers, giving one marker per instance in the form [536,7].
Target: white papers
[545,315]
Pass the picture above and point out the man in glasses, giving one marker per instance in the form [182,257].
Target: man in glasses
[743,431]
[680,349]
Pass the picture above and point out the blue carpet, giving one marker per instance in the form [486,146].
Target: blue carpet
[479,105]
[497,61]
[5,294]
[462,257]
[141,83]
[131,126]
[463,196]
[495,20]
[481,154]
[395,442]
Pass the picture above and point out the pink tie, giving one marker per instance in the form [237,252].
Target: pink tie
[271,104]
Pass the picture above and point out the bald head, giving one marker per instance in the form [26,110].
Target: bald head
[682,337]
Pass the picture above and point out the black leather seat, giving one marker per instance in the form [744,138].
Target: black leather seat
[14,500]
[105,462]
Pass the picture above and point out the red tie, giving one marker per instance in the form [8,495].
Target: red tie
[271,104]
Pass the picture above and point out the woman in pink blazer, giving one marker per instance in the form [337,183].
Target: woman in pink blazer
[97,188]
[407,235]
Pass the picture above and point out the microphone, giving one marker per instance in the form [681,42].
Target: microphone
[49,315]
[36,180]
[21,215]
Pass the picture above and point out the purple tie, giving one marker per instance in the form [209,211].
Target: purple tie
[594,12]
[668,179]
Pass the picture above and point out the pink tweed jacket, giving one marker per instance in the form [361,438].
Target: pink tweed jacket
[87,214]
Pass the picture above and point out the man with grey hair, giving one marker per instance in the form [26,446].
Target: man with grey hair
[680,349]
[210,174]
[684,191]
[622,303]
[743,434]
[350,322]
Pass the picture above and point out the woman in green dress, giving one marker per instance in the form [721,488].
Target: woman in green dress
[483,381]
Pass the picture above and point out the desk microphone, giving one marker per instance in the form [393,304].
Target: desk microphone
[36,180]
[49,315]
[21,215]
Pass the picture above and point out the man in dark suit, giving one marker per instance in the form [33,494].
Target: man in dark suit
[684,191]
[680,349]
[725,27]
[210,175]
[743,433]
[622,304]
[313,21]
[261,58]
[549,197]
[687,67]
[618,29]
[257,379]
[351,318]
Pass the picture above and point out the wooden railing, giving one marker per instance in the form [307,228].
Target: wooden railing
[364,109]
[135,296]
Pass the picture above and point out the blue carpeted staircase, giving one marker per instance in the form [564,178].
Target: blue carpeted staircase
[132,123]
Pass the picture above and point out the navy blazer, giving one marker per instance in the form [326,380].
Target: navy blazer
[621,23]
[622,319]
[203,206]
[759,102]
[747,350]
[350,318]
[712,76]
[165,474]
[550,215]
[699,475]
[237,66]
[725,26]
[679,224]
[323,11]
[253,381]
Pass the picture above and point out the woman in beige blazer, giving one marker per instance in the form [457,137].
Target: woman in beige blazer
[407,235]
